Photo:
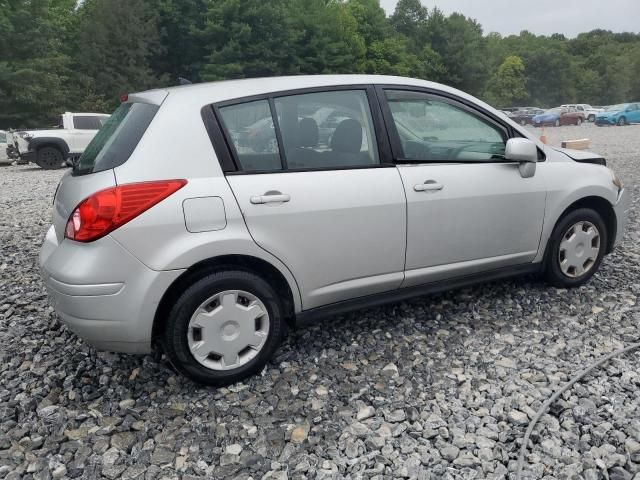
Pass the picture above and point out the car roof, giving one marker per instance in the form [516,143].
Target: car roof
[223,90]
[85,114]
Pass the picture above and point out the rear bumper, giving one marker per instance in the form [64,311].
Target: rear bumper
[102,293]
[621,209]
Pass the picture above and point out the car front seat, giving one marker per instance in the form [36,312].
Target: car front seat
[304,155]
[346,143]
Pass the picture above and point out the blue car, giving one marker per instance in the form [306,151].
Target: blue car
[558,116]
[621,115]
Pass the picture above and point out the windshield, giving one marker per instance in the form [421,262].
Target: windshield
[116,140]
[618,108]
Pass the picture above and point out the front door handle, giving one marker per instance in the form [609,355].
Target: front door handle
[270,198]
[428,186]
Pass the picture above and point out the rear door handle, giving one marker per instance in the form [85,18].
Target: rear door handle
[428,186]
[270,198]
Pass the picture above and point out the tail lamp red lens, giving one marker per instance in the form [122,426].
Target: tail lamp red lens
[109,209]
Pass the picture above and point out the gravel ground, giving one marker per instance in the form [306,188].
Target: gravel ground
[436,387]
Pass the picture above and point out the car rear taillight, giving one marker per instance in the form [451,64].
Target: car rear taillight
[108,209]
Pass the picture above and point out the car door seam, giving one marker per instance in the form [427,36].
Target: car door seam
[244,219]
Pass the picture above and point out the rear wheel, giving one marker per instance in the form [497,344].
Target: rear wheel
[576,248]
[592,118]
[557,123]
[622,122]
[49,158]
[224,328]
[579,121]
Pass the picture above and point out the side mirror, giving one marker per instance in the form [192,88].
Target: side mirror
[525,152]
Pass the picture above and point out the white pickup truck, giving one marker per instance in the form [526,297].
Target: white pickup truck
[51,147]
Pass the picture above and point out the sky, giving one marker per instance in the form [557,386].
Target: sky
[542,17]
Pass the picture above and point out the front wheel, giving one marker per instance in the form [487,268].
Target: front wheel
[557,123]
[622,122]
[224,328]
[592,118]
[49,158]
[576,248]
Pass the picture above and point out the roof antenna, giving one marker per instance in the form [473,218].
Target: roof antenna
[184,81]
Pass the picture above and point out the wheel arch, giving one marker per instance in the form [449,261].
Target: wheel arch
[249,263]
[39,142]
[604,208]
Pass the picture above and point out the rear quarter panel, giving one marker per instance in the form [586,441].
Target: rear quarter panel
[177,146]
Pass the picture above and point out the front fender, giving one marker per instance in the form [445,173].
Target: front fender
[567,183]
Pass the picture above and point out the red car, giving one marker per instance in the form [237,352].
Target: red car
[559,116]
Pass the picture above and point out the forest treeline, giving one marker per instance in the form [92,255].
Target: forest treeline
[58,55]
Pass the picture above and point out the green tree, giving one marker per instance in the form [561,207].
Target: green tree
[34,68]
[410,19]
[508,85]
[325,38]
[248,38]
[116,42]
[179,22]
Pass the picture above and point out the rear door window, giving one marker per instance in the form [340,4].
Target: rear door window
[86,122]
[320,130]
[327,130]
[117,139]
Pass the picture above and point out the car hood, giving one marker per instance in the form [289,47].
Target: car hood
[582,156]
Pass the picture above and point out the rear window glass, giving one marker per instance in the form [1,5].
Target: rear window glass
[115,141]
[84,122]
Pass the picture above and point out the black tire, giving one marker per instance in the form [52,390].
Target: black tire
[175,335]
[49,158]
[592,118]
[553,273]
[557,123]
[579,121]
[622,122]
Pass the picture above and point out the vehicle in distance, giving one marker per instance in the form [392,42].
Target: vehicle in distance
[51,147]
[558,116]
[620,115]
[5,159]
[207,248]
[590,113]
[525,117]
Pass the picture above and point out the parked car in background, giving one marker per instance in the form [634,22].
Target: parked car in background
[525,116]
[590,113]
[50,148]
[168,234]
[4,157]
[508,110]
[558,116]
[621,115]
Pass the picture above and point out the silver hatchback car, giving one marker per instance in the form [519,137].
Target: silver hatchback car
[204,219]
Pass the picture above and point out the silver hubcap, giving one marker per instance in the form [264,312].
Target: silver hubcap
[228,330]
[579,249]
